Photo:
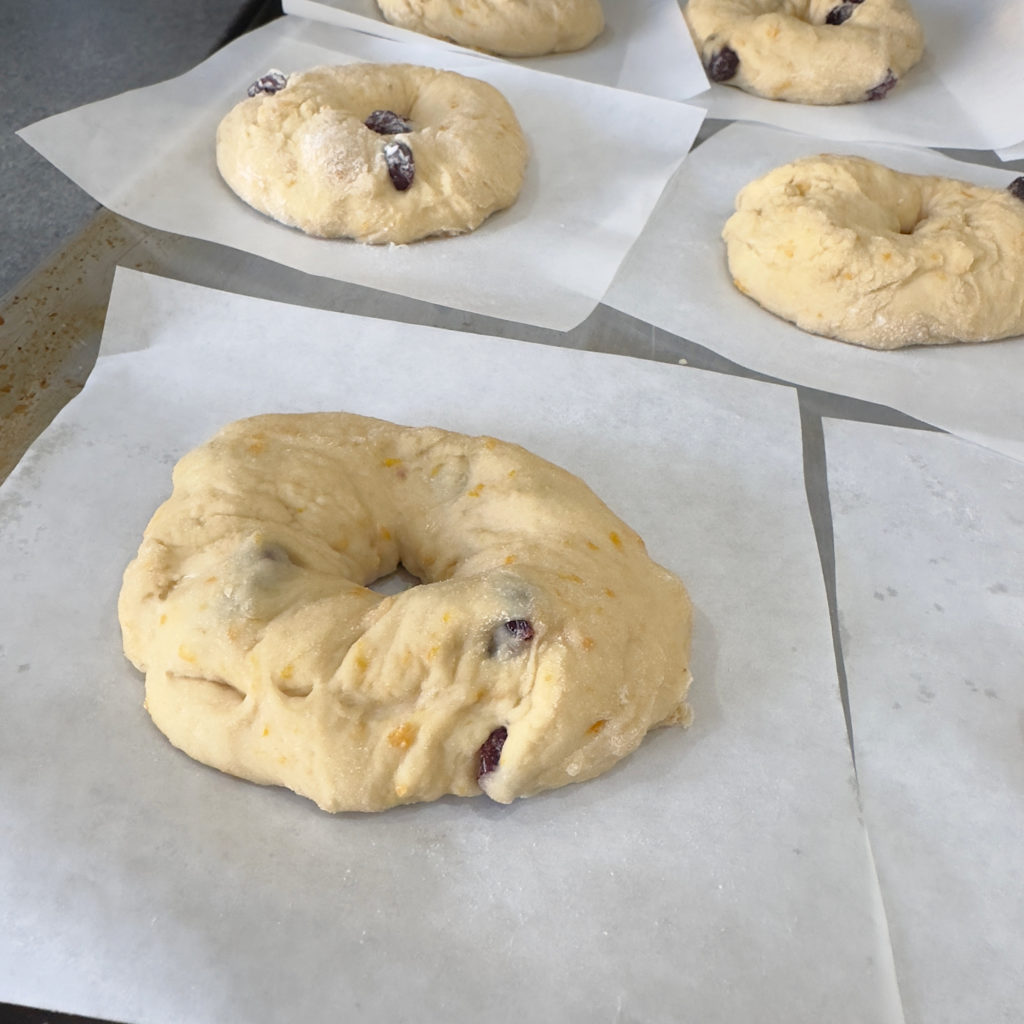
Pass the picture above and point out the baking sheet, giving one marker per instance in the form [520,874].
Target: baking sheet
[965,93]
[596,170]
[645,46]
[722,869]
[676,276]
[930,579]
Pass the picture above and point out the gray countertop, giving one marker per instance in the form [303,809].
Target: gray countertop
[59,54]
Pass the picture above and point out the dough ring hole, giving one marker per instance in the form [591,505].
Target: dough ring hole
[396,582]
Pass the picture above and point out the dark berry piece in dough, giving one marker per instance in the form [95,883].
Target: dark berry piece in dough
[489,754]
[510,638]
[884,87]
[401,166]
[839,14]
[1016,188]
[387,122]
[723,65]
[520,629]
[273,81]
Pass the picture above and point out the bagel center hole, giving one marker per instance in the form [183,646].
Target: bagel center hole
[911,228]
[395,582]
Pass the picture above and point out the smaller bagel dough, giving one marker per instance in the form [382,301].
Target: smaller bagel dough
[787,51]
[266,656]
[304,156]
[847,248]
[510,28]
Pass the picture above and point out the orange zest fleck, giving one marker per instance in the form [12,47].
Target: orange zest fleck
[403,736]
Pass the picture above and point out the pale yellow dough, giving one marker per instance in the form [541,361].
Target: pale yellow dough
[266,656]
[847,248]
[511,28]
[786,50]
[305,157]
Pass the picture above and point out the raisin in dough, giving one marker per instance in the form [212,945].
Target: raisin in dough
[511,28]
[845,247]
[300,151]
[541,646]
[807,51]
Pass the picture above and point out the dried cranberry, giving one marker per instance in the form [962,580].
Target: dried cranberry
[520,629]
[723,65]
[489,754]
[1016,188]
[884,87]
[510,638]
[401,166]
[387,122]
[273,81]
[839,14]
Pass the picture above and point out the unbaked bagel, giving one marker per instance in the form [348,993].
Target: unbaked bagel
[807,51]
[375,152]
[510,28]
[851,249]
[541,646]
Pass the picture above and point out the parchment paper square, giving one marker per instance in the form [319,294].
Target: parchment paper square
[930,568]
[720,874]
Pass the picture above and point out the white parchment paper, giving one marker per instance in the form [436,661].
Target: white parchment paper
[1011,152]
[645,46]
[930,566]
[966,92]
[676,276]
[596,170]
[721,872]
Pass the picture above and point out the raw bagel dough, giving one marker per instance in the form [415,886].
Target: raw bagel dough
[265,656]
[788,50]
[304,156]
[511,28]
[845,247]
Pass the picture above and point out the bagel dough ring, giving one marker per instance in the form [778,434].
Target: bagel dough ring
[807,51]
[845,247]
[299,150]
[266,656]
[510,28]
